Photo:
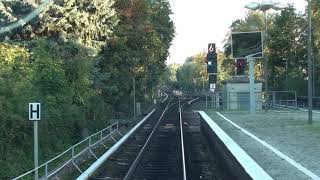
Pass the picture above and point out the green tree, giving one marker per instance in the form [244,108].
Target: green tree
[316,44]
[89,22]
[138,49]
[15,76]
[192,74]
[253,21]
[287,51]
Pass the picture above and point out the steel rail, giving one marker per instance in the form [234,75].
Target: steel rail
[89,172]
[136,161]
[181,136]
[165,98]
[182,144]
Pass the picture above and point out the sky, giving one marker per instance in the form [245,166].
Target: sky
[199,22]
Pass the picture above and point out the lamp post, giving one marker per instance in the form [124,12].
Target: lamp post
[309,65]
[264,7]
[134,97]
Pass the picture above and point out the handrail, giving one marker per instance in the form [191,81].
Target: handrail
[106,155]
[46,164]
[29,172]
[59,155]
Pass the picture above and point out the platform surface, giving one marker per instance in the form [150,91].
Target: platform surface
[280,141]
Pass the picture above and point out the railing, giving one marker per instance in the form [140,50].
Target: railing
[241,100]
[303,102]
[70,155]
[283,98]
[114,148]
[233,101]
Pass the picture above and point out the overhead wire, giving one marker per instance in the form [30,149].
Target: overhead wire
[26,19]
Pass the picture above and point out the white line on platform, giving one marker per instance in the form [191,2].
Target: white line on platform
[276,151]
[246,162]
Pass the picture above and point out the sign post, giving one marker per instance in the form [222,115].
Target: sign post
[35,115]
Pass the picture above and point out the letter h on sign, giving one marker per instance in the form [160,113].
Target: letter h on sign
[34,111]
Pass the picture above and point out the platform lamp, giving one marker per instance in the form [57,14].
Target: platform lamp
[264,7]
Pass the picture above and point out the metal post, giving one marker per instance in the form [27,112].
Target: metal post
[46,171]
[72,152]
[217,100]
[35,133]
[309,66]
[202,84]
[266,61]
[212,101]
[206,103]
[313,78]
[251,81]
[287,88]
[134,98]
[273,98]
[295,98]
[228,101]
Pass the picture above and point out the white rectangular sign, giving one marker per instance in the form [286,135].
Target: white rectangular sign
[34,111]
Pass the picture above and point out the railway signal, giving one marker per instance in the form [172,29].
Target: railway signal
[212,59]
[240,66]
[212,66]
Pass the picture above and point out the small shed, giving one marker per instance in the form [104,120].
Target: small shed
[235,94]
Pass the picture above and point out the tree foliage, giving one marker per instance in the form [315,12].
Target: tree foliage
[286,46]
[192,74]
[77,58]
[316,44]
[287,51]
[138,49]
[89,22]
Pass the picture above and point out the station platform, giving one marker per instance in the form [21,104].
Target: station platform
[280,141]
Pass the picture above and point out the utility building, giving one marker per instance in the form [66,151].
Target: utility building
[236,94]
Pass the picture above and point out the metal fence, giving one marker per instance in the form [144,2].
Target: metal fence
[232,101]
[70,156]
[303,102]
[283,99]
[241,100]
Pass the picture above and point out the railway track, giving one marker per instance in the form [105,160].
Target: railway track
[157,150]
[161,157]
[200,160]
[153,152]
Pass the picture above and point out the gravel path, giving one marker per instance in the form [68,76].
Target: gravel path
[285,130]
